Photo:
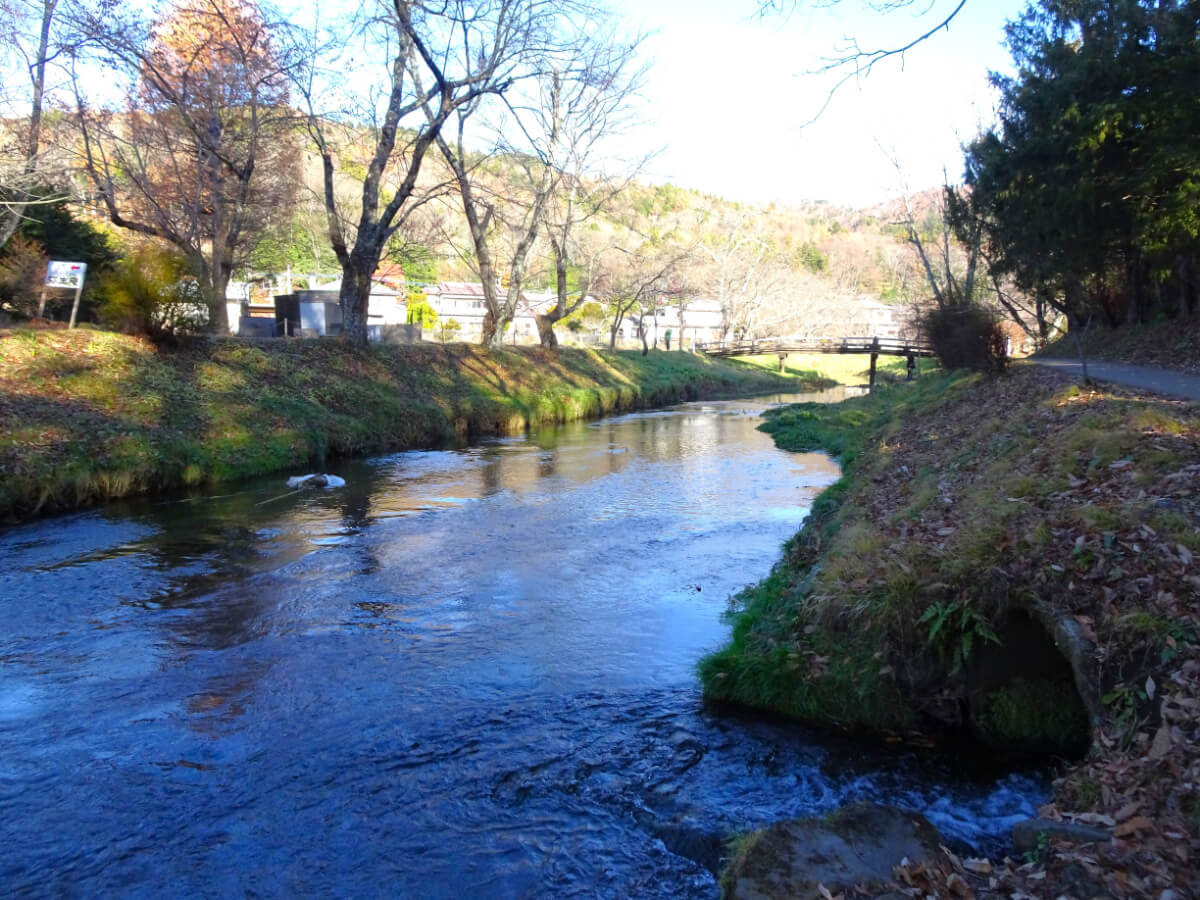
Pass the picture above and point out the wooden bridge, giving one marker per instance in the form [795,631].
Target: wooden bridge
[782,347]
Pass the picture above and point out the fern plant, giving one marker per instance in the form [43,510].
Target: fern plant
[954,627]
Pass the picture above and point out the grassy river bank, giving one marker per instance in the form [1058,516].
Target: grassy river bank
[89,415]
[1020,559]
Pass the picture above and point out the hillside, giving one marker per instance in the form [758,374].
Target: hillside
[777,268]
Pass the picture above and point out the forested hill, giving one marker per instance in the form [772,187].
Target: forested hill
[778,269]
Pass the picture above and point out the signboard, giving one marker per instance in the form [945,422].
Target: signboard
[62,274]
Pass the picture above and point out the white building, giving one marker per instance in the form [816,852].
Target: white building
[676,323]
[874,319]
[463,301]
[319,313]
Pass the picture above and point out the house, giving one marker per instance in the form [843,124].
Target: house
[702,321]
[318,314]
[870,318]
[688,322]
[465,303]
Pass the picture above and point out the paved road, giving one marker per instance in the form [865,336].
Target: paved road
[1161,381]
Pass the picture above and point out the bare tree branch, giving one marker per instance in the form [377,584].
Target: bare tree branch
[851,61]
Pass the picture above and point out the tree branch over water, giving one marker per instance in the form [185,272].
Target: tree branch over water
[850,61]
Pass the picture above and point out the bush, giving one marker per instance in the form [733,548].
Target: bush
[151,292]
[966,337]
[22,272]
[419,311]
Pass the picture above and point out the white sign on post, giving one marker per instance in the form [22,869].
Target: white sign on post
[63,274]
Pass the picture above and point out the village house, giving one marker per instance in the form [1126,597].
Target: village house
[874,319]
[463,301]
[701,321]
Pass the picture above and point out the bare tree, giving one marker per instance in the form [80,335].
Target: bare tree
[24,173]
[638,280]
[441,58]
[541,180]
[487,211]
[949,265]
[199,154]
[735,248]
[596,107]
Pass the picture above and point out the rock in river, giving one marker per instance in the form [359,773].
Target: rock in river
[855,844]
[316,480]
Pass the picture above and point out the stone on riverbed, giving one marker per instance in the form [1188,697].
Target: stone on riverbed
[315,480]
[1027,834]
[853,845]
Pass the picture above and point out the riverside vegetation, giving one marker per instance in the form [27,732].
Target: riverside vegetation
[973,517]
[90,415]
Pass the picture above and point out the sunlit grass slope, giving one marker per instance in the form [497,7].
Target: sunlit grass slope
[962,501]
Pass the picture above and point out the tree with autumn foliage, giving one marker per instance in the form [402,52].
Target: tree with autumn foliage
[199,154]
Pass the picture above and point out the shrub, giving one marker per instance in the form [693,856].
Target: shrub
[22,271]
[419,312]
[966,337]
[151,292]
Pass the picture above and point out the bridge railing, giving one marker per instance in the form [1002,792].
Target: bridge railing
[885,346]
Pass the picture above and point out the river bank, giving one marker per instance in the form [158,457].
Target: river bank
[89,416]
[1015,559]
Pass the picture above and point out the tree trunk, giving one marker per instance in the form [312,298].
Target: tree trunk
[618,319]
[1133,291]
[218,309]
[487,332]
[545,321]
[545,326]
[1080,342]
[355,297]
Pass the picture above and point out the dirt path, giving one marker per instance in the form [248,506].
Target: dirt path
[1161,381]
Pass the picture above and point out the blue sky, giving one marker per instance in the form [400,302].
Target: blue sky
[726,97]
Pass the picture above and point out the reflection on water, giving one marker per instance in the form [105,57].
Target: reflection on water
[465,673]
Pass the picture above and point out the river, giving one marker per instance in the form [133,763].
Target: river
[468,673]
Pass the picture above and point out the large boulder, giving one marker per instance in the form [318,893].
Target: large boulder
[854,845]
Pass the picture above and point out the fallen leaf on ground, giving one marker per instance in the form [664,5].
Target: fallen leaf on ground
[1137,823]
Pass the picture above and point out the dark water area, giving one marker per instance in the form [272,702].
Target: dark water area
[468,673]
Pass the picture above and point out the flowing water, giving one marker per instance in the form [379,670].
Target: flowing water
[468,673]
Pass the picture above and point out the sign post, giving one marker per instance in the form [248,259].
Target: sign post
[63,274]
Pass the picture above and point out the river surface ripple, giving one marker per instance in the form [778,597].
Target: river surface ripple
[469,673]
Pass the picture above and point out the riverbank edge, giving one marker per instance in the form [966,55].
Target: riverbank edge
[963,500]
[89,416]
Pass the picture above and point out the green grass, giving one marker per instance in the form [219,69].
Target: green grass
[841,368]
[775,662]
[90,415]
